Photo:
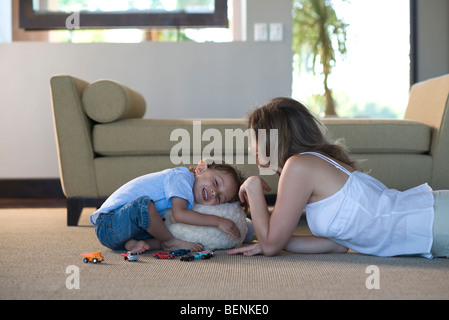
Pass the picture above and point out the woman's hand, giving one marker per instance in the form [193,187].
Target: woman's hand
[249,184]
[247,250]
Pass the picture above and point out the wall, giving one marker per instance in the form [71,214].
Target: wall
[178,80]
[432,38]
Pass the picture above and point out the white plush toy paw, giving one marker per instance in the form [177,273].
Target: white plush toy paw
[211,238]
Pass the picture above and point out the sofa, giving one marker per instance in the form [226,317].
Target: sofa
[103,141]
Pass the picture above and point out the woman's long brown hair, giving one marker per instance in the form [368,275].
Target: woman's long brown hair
[298,131]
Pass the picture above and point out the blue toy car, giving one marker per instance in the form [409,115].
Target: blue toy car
[180,252]
[203,254]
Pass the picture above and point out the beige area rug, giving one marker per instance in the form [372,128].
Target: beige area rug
[40,259]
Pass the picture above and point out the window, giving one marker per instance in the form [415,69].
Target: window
[53,14]
[373,78]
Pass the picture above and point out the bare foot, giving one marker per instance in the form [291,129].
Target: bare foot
[135,245]
[175,244]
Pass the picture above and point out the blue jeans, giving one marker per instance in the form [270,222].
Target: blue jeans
[131,221]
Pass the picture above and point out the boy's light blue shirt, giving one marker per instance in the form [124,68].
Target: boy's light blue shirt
[160,187]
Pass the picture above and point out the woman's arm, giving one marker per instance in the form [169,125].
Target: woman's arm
[312,244]
[183,215]
[297,244]
[294,191]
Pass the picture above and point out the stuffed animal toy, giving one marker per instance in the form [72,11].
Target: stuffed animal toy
[211,238]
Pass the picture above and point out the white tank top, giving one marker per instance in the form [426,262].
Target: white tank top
[367,217]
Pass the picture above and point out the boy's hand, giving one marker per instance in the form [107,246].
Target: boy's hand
[229,227]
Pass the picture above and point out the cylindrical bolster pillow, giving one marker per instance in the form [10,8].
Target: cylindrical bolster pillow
[107,101]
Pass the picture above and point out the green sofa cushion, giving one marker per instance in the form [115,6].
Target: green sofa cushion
[381,135]
[152,136]
[107,101]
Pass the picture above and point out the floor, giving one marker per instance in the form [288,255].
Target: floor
[45,263]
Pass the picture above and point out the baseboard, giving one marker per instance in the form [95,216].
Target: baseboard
[48,188]
[31,188]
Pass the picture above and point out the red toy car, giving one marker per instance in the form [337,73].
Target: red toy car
[163,255]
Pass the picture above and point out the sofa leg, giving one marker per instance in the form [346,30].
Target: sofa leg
[76,205]
[74,208]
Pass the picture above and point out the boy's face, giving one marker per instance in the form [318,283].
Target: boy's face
[212,187]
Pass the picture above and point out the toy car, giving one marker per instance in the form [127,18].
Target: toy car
[211,252]
[203,254]
[179,252]
[163,255]
[131,256]
[94,257]
[187,257]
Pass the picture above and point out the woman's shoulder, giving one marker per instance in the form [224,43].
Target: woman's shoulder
[300,165]
[301,162]
[315,169]
[321,161]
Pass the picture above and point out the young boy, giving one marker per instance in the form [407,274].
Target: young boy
[131,217]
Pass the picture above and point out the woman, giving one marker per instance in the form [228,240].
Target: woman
[345,208]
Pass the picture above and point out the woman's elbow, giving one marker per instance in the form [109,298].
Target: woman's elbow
[270,250]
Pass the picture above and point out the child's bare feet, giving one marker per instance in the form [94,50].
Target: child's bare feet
[135,245]
[175,244]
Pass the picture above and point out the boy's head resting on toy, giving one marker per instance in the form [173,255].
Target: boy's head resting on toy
[216,183]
